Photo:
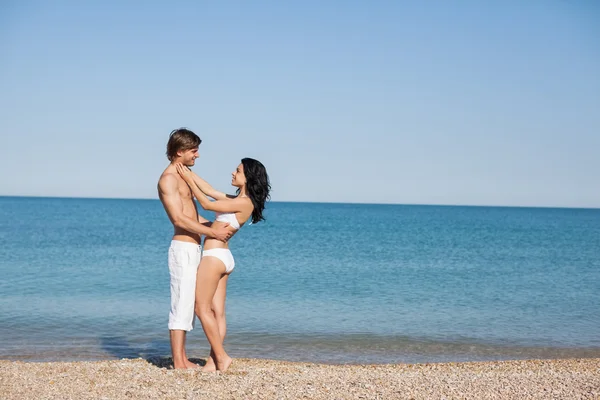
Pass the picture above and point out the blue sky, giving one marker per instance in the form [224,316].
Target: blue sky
[432,102]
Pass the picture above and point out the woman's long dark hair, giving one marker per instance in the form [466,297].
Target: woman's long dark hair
[257,186]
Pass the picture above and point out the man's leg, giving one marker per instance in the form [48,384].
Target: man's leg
[183,265]
[177,348]
[180,360]
[191,312]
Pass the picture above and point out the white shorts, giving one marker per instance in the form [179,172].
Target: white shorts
[184,258]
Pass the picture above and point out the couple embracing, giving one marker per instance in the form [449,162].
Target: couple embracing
[199,271]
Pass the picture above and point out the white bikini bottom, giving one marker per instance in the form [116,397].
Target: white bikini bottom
[222,254]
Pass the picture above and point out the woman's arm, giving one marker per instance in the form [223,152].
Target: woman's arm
[207,189]
[169,196]
[225,205]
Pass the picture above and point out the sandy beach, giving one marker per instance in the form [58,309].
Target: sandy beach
[266,379]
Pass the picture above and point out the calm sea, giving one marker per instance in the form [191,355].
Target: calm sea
[87,279]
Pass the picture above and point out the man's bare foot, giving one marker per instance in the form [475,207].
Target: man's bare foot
[210,365]
[179,365]
[224,363]
[191,365]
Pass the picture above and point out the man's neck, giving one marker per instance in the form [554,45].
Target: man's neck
[175,162]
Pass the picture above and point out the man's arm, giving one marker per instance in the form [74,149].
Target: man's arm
[169,195]
[204,221]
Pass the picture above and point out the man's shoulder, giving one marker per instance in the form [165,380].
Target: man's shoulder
[167,175]
[167,180]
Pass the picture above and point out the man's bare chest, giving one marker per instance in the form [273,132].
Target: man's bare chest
[184,190]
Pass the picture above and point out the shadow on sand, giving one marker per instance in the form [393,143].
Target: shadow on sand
[121,348]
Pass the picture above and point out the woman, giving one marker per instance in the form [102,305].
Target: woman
[217,263]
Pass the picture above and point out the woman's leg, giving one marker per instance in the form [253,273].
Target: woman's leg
[218,307]
[209,274]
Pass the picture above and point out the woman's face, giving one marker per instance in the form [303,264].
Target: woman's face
[238,179]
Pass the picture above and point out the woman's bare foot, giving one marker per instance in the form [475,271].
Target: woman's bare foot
[224,363]
[210,365]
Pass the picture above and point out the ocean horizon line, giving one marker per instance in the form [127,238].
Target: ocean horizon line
[325,202]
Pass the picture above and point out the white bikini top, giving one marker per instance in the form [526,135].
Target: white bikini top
[228,217]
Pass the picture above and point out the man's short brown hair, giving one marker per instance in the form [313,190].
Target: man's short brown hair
[181,139]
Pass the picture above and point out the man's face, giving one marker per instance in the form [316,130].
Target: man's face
[188,157]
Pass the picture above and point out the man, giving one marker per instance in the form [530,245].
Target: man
[185,251]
